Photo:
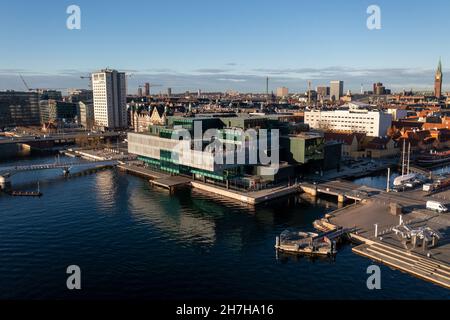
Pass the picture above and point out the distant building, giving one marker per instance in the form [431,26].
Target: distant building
[282,92]
[147,89]
[438,81]
[336,90]
[398,114]
[86,114]
[77,95]
[139,92]
[355,118]
[50,94]
[110,104]
[379,89]
[55,111]
[19,109]
[169,92]
[323,91]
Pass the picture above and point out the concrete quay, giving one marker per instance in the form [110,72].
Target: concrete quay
[379,240]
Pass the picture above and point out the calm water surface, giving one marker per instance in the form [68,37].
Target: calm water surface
[134,241]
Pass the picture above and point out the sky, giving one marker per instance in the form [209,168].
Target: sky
[225,45]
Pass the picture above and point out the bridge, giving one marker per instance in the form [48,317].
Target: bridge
[341,189]
[7,172]
[57,137]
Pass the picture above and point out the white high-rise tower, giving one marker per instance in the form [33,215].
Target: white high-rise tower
[110,99]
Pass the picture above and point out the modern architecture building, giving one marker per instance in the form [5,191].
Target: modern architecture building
[336,90]
[110,105]
[352,118]
[55,111]
[19,109]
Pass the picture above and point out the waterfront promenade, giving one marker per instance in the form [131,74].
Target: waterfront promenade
[376,233]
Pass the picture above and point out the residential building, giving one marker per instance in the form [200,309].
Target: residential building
[110,105]
[351,143]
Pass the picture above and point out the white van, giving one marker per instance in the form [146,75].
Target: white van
[436,206]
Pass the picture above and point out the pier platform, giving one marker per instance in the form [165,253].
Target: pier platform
[158,179]
[252,197]
[382,243]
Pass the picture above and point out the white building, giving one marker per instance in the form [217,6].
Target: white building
[355,118]
[110,99]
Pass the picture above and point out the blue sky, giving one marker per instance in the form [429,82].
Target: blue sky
[222,45]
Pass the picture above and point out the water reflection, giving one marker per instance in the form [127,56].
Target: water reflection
[170,216]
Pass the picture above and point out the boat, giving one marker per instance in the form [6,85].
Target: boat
[433,158]
[405,179]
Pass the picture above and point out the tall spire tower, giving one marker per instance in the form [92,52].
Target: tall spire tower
[438,81]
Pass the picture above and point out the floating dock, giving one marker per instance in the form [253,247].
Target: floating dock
[311,243]
[26,194]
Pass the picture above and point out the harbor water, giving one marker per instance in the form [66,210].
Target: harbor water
[135,241]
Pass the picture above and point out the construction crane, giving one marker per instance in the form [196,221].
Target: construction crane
[24,82]
[37,89]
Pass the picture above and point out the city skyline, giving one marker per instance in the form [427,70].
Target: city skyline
[331,44]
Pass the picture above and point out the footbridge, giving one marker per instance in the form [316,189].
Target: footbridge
[7,172]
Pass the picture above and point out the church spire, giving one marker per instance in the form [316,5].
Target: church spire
[438,81]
